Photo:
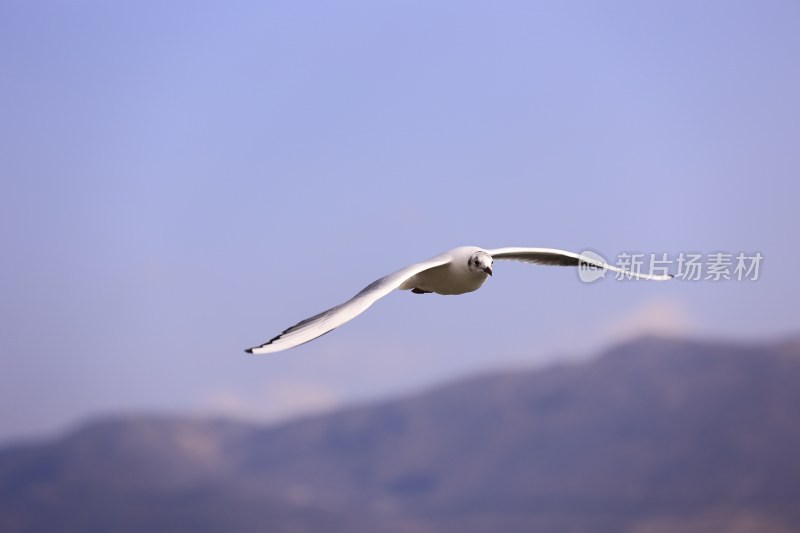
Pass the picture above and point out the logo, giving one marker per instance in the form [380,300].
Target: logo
[591,266]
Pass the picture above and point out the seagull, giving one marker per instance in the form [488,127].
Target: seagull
[458,271]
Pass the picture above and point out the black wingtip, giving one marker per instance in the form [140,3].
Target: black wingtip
[249,350]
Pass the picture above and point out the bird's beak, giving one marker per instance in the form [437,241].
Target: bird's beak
[488,270]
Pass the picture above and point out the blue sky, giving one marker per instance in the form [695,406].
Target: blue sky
[181,180]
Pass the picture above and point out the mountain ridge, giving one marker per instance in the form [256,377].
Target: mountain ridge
[656,433]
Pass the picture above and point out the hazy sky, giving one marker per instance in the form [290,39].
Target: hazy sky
[181,180]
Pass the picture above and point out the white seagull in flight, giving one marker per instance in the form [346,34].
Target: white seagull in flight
[458,271]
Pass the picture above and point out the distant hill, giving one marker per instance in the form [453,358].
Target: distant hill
[653,436]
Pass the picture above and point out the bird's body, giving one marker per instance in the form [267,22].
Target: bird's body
[454,277]
[458,271]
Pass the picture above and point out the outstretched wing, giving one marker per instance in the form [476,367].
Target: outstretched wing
[552,256]
[318,325]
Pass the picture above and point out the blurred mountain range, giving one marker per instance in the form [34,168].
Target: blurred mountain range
[653,436]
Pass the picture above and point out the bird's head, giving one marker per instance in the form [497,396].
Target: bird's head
[481,261]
